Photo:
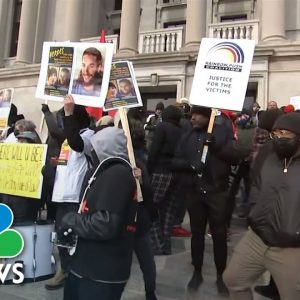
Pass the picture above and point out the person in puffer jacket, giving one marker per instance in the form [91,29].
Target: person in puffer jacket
[273,240]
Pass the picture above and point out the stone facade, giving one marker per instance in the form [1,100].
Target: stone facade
[161,37]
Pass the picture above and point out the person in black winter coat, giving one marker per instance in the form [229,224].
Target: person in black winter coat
[273,241]
[207,185]
[146,209]
[160,158]
[105,227]
[56,136]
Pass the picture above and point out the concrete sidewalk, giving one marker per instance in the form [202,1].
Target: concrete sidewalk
[173,274]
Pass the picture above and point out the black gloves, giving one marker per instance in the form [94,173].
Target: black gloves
[68,221]
[208,139]
[197,166]
[45,108]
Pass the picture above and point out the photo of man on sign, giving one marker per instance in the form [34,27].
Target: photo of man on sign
[89,80]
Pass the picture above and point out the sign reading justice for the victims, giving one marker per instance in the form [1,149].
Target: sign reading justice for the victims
[20,169]
[222,73]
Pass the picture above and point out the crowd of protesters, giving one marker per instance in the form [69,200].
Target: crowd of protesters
[92,198]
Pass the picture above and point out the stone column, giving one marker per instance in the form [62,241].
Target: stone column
[27,31]
[73,20]
[130,23]
[273,20]
[195,23]
[40,30]
[3,27]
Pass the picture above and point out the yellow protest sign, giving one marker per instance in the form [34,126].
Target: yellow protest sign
[20,169]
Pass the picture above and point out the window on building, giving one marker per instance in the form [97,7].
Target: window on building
[174,24]
[233,18]
[15,28]
[173,1]
[118,4]
[117,31]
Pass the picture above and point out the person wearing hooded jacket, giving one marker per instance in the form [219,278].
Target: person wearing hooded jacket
[163,181]
[105,227]
[273,240]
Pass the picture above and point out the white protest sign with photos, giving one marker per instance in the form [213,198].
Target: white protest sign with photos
[222,73]
[80,69]
[6,96]
[123,91]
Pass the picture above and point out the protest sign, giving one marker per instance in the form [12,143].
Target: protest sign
[295,101]
[5,103]
[222,73]
[20,169]
[123,90]
[80,69]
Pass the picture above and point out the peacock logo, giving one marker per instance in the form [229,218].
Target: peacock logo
[11,241]
[11,245]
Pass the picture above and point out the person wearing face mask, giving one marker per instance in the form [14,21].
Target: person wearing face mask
[273,240]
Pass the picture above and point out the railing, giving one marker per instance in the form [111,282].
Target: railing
[235,30]
[162,40]
[114,39]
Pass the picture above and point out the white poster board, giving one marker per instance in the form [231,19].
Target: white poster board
[6,96]
[123,91]
[295,101]
[222,73]
[80,69]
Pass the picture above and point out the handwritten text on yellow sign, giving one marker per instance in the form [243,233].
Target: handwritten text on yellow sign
[20,169]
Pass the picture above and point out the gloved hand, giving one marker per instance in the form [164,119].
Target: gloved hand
[208,139]
[197,166]
[68,222]
[45,108]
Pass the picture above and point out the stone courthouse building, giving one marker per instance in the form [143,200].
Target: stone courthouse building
[160,37]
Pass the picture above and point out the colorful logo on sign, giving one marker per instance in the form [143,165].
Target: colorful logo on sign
[11,241]
[230,52]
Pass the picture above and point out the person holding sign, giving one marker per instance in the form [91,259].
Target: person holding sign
[72,165]
[89,80]
[25,209]
[207,186]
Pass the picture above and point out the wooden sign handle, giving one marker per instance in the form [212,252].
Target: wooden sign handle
[125,126]
[209,130]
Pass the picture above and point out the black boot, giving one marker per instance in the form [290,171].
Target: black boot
[222,289]
[196,280]
[269,291]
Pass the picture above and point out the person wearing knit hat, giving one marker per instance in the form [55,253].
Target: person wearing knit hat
[289,108]
[272,242]
[206,186]
[201,110]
